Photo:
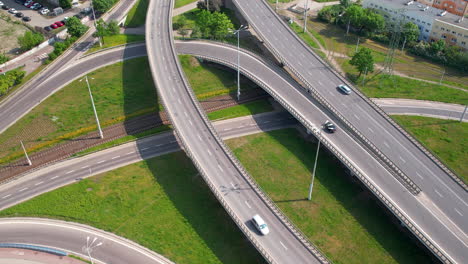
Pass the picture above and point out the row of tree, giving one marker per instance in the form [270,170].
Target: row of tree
[440,52]
[10,79]
[99,5]
[212,25]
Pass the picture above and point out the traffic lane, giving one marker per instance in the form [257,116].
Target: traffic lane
[454,210]
[305,107]
[72,237]
[197,137]
[7,106]
[19,106]
[325,82]
[423,111]
[69,171]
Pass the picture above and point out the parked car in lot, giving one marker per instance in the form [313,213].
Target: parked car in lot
[59,24]
[19,14]
[26,19]
[28,2]
[329,127]
[19,2]
[1,3]
[48,28]
[44,11]
[53,26]
[36,6]
[344,89]
[5,7]
[12,11]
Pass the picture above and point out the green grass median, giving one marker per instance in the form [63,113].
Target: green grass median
[448,139]
[162,204]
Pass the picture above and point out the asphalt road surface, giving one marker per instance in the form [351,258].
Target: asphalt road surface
[440,193]
[72,238]
[40,87]
[75,169]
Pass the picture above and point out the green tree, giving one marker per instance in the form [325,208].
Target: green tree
[29,40]
[113,28]
[75,27]
[363,61]
[3,58]
[345,3]
[355,15]
[204,21]
[102,5]
[183,32]
[180,23]
[410,32]
[221,25]
[10,79]
[372,21]
[437,47]
[65,4]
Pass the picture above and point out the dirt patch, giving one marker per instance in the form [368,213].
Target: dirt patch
[194,62]
[9,33]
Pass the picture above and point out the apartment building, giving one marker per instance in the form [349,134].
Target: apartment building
[452,33]
[433,23]
[456,7]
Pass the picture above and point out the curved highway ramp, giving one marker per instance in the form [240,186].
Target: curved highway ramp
[215,162]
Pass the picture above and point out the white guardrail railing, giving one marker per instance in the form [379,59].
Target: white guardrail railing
[288,224]
[358,92]
[393,208]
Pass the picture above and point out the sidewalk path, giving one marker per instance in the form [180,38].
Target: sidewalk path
[25,256]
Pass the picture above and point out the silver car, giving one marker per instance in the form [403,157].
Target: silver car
[344,89]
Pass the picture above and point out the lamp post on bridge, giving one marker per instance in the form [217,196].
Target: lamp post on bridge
[241,28]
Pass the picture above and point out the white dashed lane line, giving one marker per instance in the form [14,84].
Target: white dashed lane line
[438,193]
[55,177]
[248,205]
[6,196]
[419,175]
[116,157]
[24,189]
[39,183]
[283,245]
[68,172]
[456,210]
[102,161]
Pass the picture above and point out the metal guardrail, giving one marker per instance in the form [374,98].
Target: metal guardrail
[35,248]
[403,218]
[428,153]
[240,169]
[400,175]
[400,215]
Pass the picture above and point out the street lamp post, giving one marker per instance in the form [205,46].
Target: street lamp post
[101,135]
[305,15]
[95,25]
[463,115]
[315,166]
[241,28]
[26,153]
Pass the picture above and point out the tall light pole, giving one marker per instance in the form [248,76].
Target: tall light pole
[305,15]
[95,25]
[207,5]
[27,157]
[90,246]
[101,135]
[241,28]
[276,6]
[315,166]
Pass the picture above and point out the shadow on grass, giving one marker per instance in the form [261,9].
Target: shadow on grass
[193,199]
[356,200]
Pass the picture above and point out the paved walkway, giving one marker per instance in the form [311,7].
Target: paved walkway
[25,256]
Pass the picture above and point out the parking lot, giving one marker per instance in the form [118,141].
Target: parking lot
[36,18]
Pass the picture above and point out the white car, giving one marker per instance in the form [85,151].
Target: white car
[12,10]
[260,224]
[1,3]
[44,11]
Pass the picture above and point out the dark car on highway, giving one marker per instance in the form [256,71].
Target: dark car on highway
[329,127]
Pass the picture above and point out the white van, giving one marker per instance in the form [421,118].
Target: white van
[260,224]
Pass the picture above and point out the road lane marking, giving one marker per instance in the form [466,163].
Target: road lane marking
[99,162]
[386,144]
[185,113]
[190,121]
[419,175]
[283,245]
[84,167]
[221,169]
[116,157]
[209,153]
[55,177]
[320,82]
[24,189]
[357,117]
[131,152]
[68,172]
[265,122]
[438,193]
[370,129]
[159,145]
[227,129]
[6,196]
[404,161]
[458,212]
[232,184]
[143,149]
[248,205]
[39,183]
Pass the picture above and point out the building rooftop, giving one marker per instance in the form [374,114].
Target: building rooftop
[427,12]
